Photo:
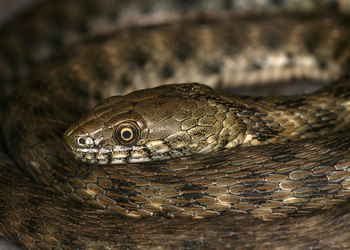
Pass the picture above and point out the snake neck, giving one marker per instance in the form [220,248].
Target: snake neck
[278,119]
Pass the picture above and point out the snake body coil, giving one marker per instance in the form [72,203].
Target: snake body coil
[170,154]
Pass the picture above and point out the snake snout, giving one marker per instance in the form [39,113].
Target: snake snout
[76,139]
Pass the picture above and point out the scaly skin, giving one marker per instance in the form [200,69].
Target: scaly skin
[233,185]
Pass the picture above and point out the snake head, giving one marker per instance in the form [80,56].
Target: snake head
[154,124]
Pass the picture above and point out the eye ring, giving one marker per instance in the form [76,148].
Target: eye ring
[127,133]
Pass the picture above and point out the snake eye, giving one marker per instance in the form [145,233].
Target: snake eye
[127,133]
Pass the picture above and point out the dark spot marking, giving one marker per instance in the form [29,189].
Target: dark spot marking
[320,127]
[31,226]
[322,64]
[38,84]
[192,192]
[146,9]
[256,65]
[42,111]
[291,60]
[213,67]
[114,16]
[311,41]
[167,71]
[283,158]
[30,63]
[68,240]
[273,41]
[334,5]
[140,59]
[98,96]
[276,2]
[291,102]
[184,49]
[228,4]
[57,43]
[83,28]
[339,50]
[124,81]
[185,5]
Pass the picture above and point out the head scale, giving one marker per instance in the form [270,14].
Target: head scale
[154,124]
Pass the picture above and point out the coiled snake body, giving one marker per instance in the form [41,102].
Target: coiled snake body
[282,159]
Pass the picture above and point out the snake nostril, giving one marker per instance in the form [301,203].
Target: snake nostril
[85,142]
[81,140]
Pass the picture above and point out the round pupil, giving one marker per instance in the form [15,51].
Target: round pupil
[126,134]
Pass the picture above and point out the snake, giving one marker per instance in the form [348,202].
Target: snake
[90,162]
